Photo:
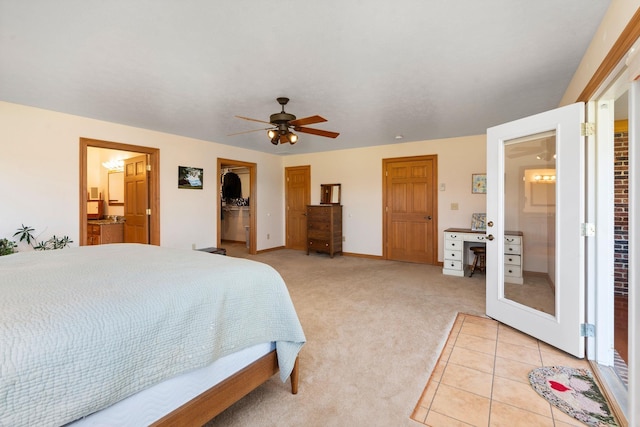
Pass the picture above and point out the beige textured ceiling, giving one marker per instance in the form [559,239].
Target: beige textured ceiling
[423,69]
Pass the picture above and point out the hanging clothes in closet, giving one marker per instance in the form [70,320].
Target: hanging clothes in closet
[231,186]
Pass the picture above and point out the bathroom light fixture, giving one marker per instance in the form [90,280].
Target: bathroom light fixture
[114,165]
[544,178]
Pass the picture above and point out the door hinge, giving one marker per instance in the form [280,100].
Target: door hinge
[587,330]
[587,129]
[587,229]
[149,168]
[148,211]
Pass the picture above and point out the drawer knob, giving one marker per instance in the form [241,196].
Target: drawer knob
[510,249]
[490,237]
[453,244]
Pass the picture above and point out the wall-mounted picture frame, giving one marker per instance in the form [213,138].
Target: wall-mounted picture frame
[479,183]
[189,177]
[479,222]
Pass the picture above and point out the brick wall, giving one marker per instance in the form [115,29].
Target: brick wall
[621,213]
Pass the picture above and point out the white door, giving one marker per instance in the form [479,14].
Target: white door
[535,185]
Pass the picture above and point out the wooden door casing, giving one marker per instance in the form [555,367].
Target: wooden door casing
[153,181]
[297,197]
[136,200]
[410,209]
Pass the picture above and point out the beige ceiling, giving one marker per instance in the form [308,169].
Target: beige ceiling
[375,69]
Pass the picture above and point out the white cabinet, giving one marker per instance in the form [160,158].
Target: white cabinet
[513,259]
[457,242]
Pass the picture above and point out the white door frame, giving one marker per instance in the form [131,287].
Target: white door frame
[634,253]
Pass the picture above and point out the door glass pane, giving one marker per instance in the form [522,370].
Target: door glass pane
[530,211]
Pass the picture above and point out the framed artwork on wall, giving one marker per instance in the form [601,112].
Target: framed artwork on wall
[189,177]
[479,221]
[479,183]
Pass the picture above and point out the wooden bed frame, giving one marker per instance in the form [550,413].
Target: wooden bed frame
[212,402]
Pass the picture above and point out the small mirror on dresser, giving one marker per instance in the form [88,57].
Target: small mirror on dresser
[330,194]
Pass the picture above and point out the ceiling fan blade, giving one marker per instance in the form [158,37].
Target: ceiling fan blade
[253,120]
[307,121]
[247,131]
[318,132]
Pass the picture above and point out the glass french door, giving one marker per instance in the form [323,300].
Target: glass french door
[536,189]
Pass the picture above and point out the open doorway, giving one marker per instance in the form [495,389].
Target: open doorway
[153,155]
[237,190]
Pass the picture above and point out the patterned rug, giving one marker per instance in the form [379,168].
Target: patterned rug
[574,392]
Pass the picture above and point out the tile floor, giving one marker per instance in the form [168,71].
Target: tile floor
[481,379]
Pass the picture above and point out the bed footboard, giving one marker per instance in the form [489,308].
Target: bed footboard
[212,402]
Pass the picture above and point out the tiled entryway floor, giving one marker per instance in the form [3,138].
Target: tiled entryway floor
[481,379]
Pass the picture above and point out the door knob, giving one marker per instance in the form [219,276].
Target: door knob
[490,237]
[490,224]
[428,217]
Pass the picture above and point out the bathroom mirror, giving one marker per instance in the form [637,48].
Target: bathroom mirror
[116,189]
[330,194]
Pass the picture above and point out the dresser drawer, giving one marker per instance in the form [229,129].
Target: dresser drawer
[318,244]
[512,259]
[452,265]
[512,249]
[453,245]
[316,234]
[452,236]
[476,238]
[512,240]
[319,213]
[452,255]
[513,270]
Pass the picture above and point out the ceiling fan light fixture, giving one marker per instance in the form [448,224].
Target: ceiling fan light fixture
[272,133]
[292,137]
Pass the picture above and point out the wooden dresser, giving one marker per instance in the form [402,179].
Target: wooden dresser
[324,228]
[99,233]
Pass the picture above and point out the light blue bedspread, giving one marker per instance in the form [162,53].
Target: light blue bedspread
[82,328]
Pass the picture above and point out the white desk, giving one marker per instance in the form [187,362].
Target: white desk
[456,249]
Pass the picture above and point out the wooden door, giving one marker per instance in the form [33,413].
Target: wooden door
[136,200]
[410,205]
[297,197]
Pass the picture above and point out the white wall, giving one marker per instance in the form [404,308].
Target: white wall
[39,173]
[39,177]
[360,173]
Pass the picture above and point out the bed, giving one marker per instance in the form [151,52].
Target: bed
[129,334]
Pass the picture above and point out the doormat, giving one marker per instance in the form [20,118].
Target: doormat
[574,392]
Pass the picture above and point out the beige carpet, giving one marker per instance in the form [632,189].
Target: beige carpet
[374,331]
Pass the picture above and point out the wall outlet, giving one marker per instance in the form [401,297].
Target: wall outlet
[344,239]
[454,206]
[268,236]
[193,246]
